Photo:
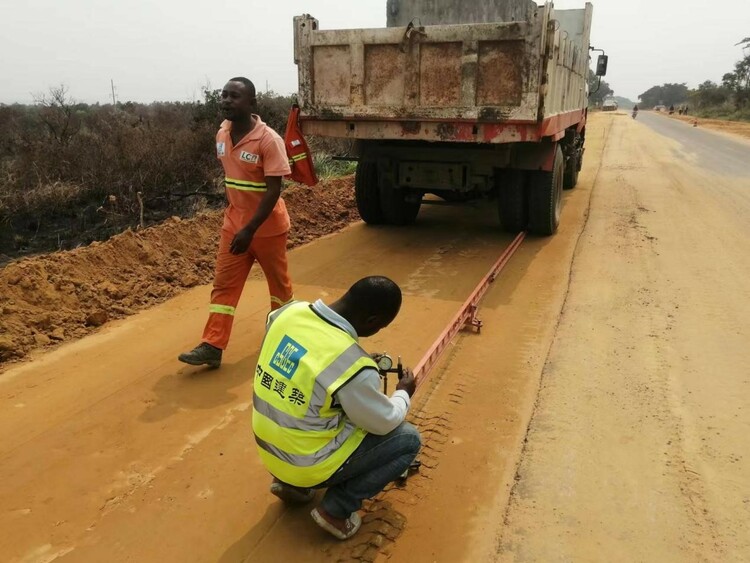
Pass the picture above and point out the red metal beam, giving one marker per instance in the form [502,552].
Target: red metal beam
[466,316]
[444,129]
[556,124]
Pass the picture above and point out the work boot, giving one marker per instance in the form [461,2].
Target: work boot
[202,355]
[291,494]
[342,528]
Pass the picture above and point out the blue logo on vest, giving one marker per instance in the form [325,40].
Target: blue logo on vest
[287,356]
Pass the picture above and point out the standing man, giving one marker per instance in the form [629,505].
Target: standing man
[319,417]
[256,222]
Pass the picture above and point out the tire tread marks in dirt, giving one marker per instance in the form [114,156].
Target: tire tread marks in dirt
[382,523]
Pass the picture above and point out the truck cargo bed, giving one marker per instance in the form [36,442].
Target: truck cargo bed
[474,82]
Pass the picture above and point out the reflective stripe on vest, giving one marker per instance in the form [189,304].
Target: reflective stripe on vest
[312,420]
[329,375]
[244,185]
[287,421]
[273,314]
[305,357]
[311,459]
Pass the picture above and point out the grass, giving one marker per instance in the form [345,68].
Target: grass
[725,113]
[327,167]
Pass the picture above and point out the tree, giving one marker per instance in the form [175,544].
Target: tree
[667,95]
[738,82]
[207,110]
[58,113]
[598,93]
[709,94]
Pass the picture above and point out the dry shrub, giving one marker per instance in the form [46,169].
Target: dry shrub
[44,198]
[74,171]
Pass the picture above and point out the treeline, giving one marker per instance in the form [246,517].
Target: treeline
[598,90]
[729,100]
[665,95]
[83,172]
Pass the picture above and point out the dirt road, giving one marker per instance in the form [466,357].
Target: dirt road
[638,449]
[601,415]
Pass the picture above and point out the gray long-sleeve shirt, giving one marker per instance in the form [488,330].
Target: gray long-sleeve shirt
[361,398]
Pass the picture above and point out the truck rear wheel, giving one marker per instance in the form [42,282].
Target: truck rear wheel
[571,172]
[545,197]
[397,209]
[511,200]
[574,153]
[367,193]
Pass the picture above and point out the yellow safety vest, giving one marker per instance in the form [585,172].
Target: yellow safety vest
[302,437]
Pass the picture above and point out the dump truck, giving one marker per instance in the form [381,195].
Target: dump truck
[452,102]
[610,104]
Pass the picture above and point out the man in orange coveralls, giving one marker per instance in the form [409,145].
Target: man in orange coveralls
[256,222]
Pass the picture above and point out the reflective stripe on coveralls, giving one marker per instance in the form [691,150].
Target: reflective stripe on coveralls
[245,186]
[221,309]
[231,275]
[281,303]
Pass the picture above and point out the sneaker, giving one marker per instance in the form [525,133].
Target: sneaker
[202,355]
[342,528]
[291,494]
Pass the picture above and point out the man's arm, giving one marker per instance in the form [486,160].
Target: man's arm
[245,236]
[369,408]
[275,167]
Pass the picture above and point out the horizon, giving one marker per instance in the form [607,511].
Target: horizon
[169,52]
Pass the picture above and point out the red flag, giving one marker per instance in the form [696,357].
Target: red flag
[300,157]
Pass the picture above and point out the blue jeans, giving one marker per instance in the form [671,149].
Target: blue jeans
[376,462]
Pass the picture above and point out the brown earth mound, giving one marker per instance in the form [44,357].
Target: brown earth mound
[51,298]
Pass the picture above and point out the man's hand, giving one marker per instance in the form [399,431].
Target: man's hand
[241,241]
[407,383]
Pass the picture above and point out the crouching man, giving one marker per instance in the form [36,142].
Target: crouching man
[319,417]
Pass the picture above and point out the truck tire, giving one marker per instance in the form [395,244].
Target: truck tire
[571,172]
[545,197]
[367,193]
[511,200]
[397,210]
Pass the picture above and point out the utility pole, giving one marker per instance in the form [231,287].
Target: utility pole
[114,101]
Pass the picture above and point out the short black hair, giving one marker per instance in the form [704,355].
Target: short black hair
[247,82]
[375,295]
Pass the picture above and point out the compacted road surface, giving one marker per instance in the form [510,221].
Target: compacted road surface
[601,415]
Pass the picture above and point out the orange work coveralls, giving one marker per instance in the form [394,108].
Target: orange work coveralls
[259,154]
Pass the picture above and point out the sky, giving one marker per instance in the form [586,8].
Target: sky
[168,50]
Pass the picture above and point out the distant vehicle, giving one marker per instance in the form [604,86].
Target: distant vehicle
[660,108]
[610,104]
